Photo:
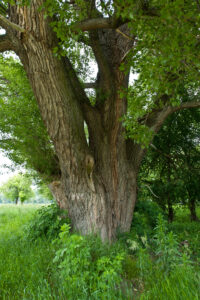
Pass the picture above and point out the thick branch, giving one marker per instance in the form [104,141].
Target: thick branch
[90,85]
[5,43]
[191,104]
[7,24]
[96,23]
[156,120]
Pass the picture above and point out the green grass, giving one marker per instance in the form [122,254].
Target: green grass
[27,271]
[186,230]
[12,218]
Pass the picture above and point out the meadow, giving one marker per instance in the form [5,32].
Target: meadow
[38,262]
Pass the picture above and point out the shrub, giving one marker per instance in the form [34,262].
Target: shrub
[188,233]
[46,222]
[145,216]
[86,272]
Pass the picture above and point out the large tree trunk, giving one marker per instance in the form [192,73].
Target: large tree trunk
[98,185]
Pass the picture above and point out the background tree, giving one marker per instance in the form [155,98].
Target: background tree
[17,188]
[99,176]
[172,165]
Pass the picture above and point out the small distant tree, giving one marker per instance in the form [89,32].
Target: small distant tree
[17,188]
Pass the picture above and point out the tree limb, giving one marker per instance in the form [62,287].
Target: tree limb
[146,185]
[156,119]
[5,43]
[7,24]
[191,104]
[97,23]
[125,35]
[90,85]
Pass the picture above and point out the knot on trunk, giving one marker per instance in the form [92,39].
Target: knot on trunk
[89,162]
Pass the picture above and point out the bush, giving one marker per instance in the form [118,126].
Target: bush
[145,216]
[85,271]
[46,222]
[188,233]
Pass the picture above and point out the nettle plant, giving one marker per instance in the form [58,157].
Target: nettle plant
[162,252]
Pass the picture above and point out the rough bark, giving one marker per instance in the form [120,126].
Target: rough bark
[58,193]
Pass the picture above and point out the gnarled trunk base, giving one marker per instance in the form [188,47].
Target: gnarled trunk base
[100,211]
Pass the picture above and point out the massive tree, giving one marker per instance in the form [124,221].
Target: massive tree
[99,173]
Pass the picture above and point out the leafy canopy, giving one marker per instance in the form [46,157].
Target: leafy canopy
[24,138]
[165,53]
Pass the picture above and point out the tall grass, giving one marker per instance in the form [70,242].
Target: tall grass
[25,271]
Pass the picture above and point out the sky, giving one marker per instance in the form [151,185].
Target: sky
[7,169]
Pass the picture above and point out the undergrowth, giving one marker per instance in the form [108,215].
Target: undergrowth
[46,222]
[38,262]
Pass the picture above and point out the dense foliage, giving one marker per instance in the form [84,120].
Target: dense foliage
[170,173]
[24,138]
[46,222]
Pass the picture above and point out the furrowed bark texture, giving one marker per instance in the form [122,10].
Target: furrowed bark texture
[98,185]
